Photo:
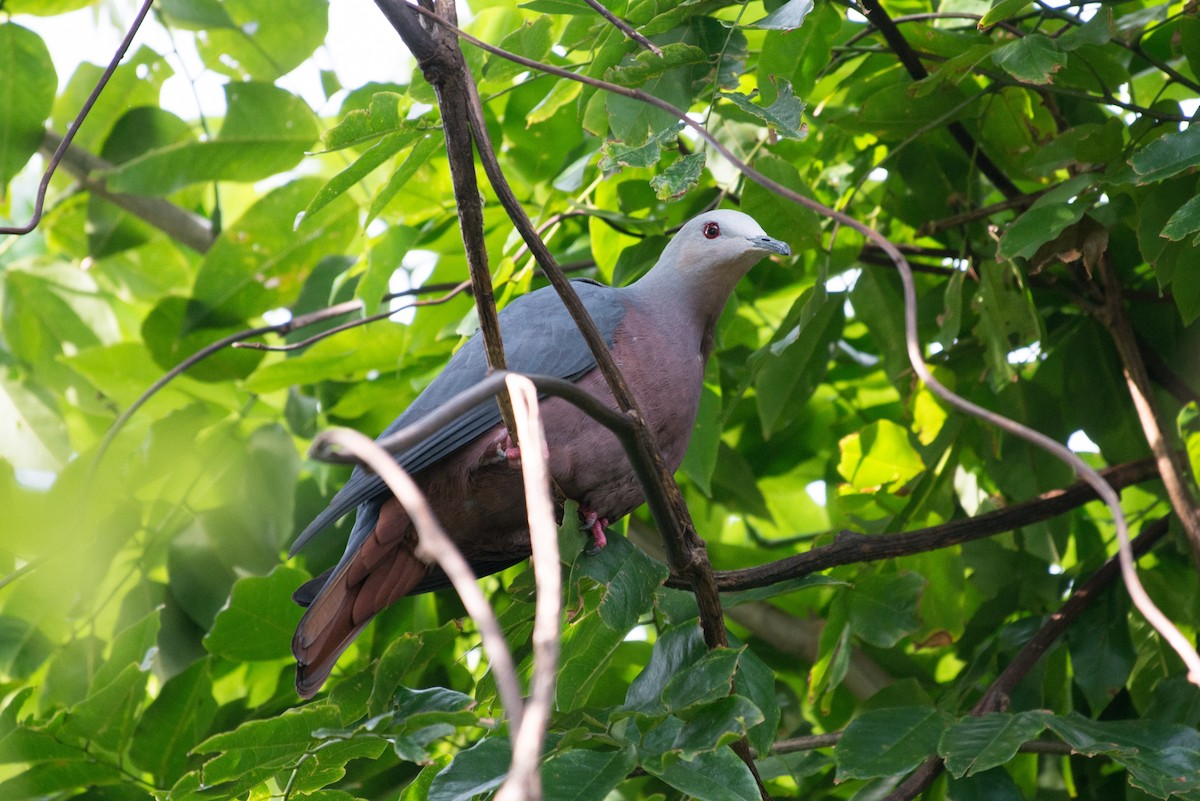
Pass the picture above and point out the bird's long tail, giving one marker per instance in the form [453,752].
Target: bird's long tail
[382,570]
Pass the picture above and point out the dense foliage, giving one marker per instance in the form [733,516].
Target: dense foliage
[1035,162]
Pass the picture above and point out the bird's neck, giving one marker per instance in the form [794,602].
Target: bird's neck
[689,308]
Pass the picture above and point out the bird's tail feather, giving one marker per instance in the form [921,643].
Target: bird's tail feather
[382,570]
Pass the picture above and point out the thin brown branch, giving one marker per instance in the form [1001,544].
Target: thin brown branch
[851,548]
[446,70]
[997,694]
[1153,615]
[435,546]
[624,27]
[39,203]
[912,62]
[183,226]
[1171,466]
[981,213]
[454,291]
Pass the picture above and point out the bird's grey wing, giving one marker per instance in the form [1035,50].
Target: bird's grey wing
[539,337]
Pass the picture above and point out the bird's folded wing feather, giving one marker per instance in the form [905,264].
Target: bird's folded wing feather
[539,337]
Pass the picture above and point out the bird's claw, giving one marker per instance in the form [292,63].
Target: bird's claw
[595,524]
[505,450]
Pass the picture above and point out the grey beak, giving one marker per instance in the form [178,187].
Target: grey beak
[773,245]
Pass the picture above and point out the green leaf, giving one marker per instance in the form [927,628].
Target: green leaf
[364,165]
[1002,10]
[405,659]
[1102,652]
[385,114]
[795,364]
[49,779]
[1162,758]
[1049,215]
[705,680]
[265,39]
[177,719]
[583,775]
[879,456]
[260,261]
[783,115]
[32,436]
[629,578]
[788,17]
[680,178]
[700,460]
[1033,58]
[384,257]
[1185,221]
[883,608]
[1095,32]
[532,40]
[266,131]
[270,744]
[1008,319]
[676,648]
[27,86]
[886,742]
[420,154]
[1167,155]
[976,744]
[258,621]
[714,724]
[476,770]
[23,647]
[712,776]
[105,719]
[615,155]
[643,65]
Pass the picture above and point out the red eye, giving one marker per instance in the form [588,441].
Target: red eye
[711,230]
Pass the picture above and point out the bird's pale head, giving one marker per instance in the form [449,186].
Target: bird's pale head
[718,247]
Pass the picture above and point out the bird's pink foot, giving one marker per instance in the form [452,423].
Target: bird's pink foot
[505,449]
[595,524]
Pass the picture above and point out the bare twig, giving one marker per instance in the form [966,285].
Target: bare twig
[997,694]
[524,780]
[39,204]
[624,27]
[435,546]
[454,291]
[954,221]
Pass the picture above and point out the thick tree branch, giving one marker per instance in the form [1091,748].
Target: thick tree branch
[183,226]
[39,203]
[996,697]
[851,548]
[1170,462]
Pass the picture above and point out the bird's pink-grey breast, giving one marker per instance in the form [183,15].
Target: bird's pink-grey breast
[659,330]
